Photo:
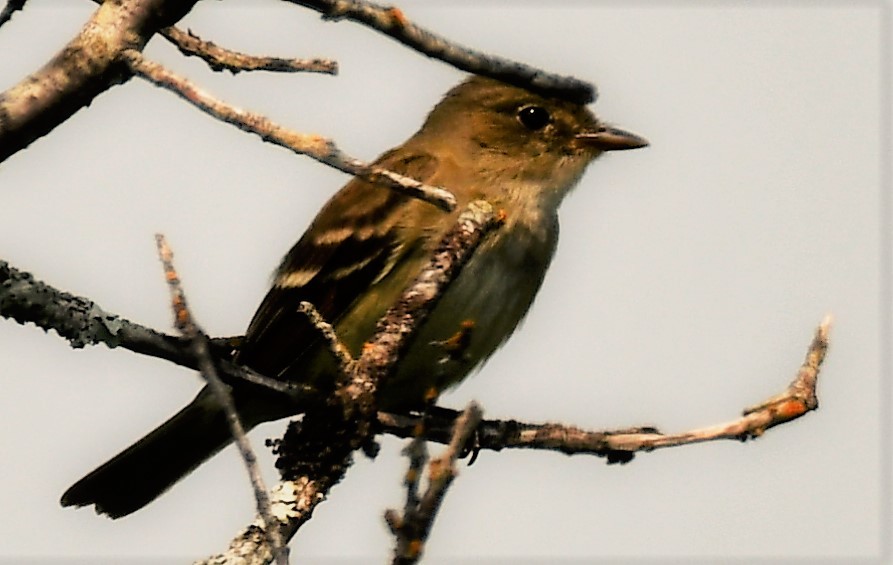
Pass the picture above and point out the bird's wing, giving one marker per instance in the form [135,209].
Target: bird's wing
[353,243]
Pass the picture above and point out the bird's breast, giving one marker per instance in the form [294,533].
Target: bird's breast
[477,313]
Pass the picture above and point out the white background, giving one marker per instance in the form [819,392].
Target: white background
[687,284]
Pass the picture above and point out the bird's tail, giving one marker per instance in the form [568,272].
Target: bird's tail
[142,472]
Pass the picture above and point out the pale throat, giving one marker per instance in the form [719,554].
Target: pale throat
[534,202]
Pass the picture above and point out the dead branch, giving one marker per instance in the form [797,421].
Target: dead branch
[413,527]
[315,146]
[86,67]
[336,346]
[92,62]
[82,322]
[220,59]
[619,446]
[392,22]
[185,323]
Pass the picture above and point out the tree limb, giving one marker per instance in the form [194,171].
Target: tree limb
[86,67]
[220,59]
[315,146]
[337,348]
[82,322]
[185,323]
[619,446]
[393,23]
[413,527]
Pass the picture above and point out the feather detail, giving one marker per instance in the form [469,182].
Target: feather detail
[354,243]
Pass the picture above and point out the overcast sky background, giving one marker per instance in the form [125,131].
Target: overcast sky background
[687,285]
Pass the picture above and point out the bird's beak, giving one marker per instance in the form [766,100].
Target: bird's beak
[610,138]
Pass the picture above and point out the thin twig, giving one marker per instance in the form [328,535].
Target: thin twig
[417,452]
[219,58]
[184,322]
[339,351]
[393,23]
[619,446]
[315,146]
[413,527]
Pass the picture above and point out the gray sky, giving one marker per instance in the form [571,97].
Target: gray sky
[687,284]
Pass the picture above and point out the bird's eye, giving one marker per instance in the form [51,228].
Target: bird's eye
[534,117]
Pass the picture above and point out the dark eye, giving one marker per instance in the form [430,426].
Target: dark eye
[534,117]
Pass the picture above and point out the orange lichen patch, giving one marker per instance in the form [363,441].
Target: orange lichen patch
[790,409]
[368,346]
[431,394]
[501,216]
[397,17]
[415,547]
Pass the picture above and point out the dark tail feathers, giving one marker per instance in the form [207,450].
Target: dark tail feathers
[138,475]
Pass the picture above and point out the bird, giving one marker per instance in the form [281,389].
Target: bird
[519,149]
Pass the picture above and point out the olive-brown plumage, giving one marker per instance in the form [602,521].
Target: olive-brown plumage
[517,149]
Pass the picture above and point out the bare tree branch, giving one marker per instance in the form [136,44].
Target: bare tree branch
[291,502]
[220,59]
[336,346]
[82,322]
[315,146]
[413,527]
[393,23]
[619,446]
[87,66]
[184,322]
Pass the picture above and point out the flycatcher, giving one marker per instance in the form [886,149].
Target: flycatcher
[517,149]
